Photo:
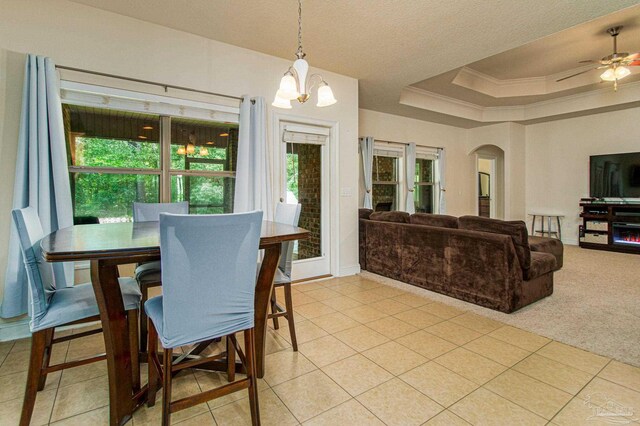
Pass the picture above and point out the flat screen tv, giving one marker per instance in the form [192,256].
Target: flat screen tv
[615,175]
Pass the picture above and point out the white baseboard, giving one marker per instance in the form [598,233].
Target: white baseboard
[14,330]
[349,270]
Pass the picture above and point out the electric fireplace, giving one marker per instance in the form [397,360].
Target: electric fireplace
[626,234]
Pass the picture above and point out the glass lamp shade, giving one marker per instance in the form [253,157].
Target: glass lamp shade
[280,102]
[191,148]
[609,75]
[325,96]
[622,72]
[288,88]
[204,151]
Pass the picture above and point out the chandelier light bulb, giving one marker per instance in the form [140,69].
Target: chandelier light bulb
[288,88]
[181,151]
[622,72]
[608,75]
[325,96]
[204,151]
[280,102]
[191,148]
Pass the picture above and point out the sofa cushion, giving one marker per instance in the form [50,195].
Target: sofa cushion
[439,220]
[400,217]
[516,229]
[548,245]
[541,263]
[364,213]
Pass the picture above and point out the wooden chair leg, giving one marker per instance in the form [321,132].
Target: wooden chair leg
[143,318]
[289,304]
[132,322]
[166,386]
[274,309]
[231,360]
[36,360]
[250,356]
[48,347]
[152,359]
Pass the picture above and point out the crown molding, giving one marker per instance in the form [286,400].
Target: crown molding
[581,102]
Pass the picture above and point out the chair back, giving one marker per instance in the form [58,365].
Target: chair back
[150,212]
[289,214]
[208,265]
[39,272]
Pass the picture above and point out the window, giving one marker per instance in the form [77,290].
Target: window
[424,189]
[118,157]
[386,183]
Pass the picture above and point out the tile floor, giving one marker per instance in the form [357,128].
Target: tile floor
[369,354]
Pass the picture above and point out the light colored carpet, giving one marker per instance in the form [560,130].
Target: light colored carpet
[595,304]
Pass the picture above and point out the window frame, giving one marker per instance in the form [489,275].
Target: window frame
[395,151]
[428,154]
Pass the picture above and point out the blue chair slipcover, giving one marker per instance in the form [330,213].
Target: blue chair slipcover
[49,306]
[289,214]
[150,212]
[208,276]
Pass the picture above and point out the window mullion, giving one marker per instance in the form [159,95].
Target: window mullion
[165,159]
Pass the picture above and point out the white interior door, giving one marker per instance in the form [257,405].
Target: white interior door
[305,179]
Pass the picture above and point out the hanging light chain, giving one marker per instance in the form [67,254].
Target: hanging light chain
[300,54]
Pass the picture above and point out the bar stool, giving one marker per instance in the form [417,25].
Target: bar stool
[549,218]
[208,288]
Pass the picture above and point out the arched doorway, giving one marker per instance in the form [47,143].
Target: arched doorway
[489,181]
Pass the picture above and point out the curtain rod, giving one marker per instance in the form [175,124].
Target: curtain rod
[406,143]
[136,80]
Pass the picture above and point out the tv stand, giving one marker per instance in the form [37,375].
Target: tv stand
[610,226]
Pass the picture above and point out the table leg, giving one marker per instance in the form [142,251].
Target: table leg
[264,287]
[549,225]
[533,225]
[559,228]
[122,402]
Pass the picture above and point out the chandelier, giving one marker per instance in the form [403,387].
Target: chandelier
[190,149]
[296,85]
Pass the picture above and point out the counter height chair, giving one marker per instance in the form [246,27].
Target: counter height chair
[289,214]
[208,291]
[52,307]
[148,273]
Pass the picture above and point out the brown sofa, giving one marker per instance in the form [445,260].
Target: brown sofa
[489,262]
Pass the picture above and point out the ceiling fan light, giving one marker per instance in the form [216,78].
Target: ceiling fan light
[608,75]
[288,88]
[622,72]
[325,96]
[280,102]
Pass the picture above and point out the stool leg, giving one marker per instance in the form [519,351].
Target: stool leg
[250,355]
[132,320]
[143,318]
[166,386]
[47,356]
[231,360]
[292,326]
[152,359]
[38,342]
[274,308]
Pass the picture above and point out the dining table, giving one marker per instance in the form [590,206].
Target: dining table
[108,245]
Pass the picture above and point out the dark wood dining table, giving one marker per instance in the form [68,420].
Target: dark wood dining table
[108,245]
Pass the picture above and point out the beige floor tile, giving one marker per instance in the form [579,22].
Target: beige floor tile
[315,309]
[285,365]
[347,289]
[477,322]
[426,344]
[10,410]
[439,383]
[470,365]
[81,397]
[275,342]
[412,300]
[357,374]
[272,411]
[350,413]
[99,417]
[366,296]
[86,347]
[607,394]
[453,332]
[306,287]
[309,395]
[15,362]
[418,318]
[332,323]
[325,350]
[441,310]
[323,294]
[622,374]
[12,385]
[299,299]
[388,292]
[497,350]
[446,418]
[204,419]
[483,407]
[361,338]
[390,306]
[341,303]
[85,372]
[22,345]
[397,403]
[305,331]
[574,357]
[535,396]
[394,357]
[366,284]
[554,373]
[208,380]
[520,338]
[392,327]
[364,314]
[579,412]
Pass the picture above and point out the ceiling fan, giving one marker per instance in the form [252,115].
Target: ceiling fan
[615,65]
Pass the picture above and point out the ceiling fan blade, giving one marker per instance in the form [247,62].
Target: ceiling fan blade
[633,57]
[589,61]
[574,75]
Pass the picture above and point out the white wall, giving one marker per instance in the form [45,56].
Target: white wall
[80,36]
[460,166]
[557,160]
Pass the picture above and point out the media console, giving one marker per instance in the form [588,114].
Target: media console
[610,226]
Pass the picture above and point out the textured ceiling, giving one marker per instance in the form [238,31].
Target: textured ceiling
[386,44]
